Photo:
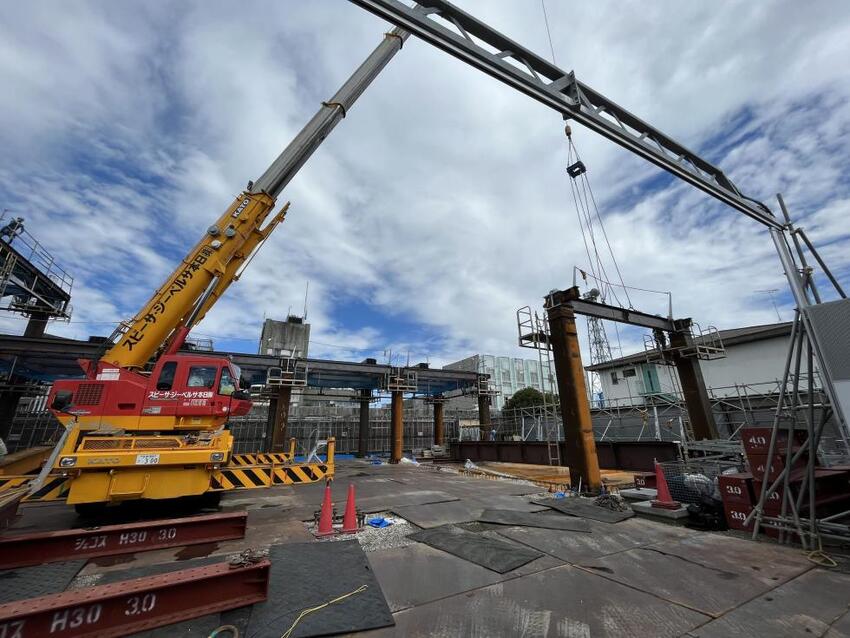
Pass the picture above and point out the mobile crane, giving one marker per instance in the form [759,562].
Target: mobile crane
[149,421]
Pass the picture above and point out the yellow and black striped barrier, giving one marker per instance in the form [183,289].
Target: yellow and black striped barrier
[260,459]
[55,487]
[251,477]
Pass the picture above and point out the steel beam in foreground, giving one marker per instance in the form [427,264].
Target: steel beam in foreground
[47,547]
[131,606]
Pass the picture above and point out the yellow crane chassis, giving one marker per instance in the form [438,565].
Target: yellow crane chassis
[245,471]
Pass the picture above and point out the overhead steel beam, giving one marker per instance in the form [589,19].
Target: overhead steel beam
[580,306]
[516,66]
[622,315]
[131,606]
[46,547]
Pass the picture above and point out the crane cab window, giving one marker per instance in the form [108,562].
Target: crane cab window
[227,385]
[166,376]
[202,377]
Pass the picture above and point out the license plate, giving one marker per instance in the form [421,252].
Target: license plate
[147,459]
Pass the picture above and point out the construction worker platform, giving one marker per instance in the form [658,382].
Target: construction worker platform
[637,577]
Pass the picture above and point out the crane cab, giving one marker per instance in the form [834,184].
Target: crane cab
[182,392]
[195,390]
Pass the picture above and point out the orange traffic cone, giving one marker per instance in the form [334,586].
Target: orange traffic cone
[664,500]
[326,518]
[349,520]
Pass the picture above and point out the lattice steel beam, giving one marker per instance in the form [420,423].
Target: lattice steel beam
[468,39]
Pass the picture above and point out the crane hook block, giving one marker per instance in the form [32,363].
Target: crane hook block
[574,170]
[568,130]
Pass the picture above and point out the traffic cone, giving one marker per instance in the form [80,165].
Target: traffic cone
[326,519]
[349,519]
[663,500]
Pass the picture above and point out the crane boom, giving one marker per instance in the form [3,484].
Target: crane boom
[213,264]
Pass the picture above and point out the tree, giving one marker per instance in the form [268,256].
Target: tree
[526,398]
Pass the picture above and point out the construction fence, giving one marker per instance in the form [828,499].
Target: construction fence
[659,418]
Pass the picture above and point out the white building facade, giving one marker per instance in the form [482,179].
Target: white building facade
[507,374]
[755,358]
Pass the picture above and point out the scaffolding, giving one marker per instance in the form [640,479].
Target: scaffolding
[534,333]
[31,282]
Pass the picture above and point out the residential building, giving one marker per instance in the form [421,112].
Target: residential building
[755,357]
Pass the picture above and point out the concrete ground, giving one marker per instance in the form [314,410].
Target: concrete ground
[634,578]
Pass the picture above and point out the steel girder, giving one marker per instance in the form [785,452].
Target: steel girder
[21,550]
[527,72]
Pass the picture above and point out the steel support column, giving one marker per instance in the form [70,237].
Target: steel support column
[484,422]
[363,442]
[693,384]
[8,406]
[280,442]
[439,425]
[397,427]
[36,325]
[575,408]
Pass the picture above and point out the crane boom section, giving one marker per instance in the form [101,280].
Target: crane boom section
[180,293]
[236,266]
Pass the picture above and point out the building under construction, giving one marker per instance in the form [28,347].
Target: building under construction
[153,485]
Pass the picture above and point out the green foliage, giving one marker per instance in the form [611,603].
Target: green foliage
[526,398]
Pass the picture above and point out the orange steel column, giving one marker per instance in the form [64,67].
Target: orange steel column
[397,427]
[575,408]
[439,425]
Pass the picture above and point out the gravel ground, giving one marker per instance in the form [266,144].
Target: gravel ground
[373,539]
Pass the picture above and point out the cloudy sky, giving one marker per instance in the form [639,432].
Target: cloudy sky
[440,204]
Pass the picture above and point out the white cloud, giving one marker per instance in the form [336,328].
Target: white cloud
[442,197]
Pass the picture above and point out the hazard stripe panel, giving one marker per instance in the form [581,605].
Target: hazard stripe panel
[259,459]
[55,487]
[11,482]
[244,478]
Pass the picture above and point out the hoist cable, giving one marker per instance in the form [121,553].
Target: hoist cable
[548,32]
[585,202]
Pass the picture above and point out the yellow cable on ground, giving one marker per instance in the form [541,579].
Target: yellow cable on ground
[234,632]
[289,631]
[820,557]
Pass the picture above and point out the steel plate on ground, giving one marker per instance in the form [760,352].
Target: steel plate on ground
[306,575]
[496,555]
[39,580]
[585,509]
[546,520]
